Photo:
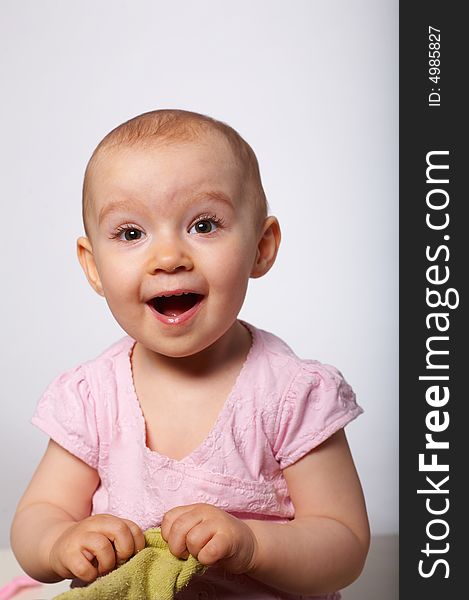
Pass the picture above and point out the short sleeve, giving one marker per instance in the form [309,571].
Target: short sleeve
[318,403]
[65,412]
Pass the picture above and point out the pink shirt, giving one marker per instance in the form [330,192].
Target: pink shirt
[279,409]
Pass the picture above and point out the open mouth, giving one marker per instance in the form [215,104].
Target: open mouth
[176,304]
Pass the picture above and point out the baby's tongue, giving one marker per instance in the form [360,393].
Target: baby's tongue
[173,306]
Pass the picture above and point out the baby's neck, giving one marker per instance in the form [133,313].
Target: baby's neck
[229,350]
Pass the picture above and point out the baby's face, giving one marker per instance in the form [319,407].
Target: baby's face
[174,241]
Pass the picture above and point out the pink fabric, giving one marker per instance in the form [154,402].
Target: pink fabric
[279,409]
[16,585]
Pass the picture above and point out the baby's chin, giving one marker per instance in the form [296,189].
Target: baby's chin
[185,356]
[195,346]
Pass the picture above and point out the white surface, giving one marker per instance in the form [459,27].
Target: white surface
[9,569]
[311,85]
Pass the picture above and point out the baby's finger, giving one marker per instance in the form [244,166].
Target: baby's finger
[199,536]
[137,534]
[82,568]
[171,516]
[123,540]
[179,530]
[100,546]
[217,548]
[88,555]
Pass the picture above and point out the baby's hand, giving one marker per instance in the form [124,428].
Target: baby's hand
[211,535]
[94,546]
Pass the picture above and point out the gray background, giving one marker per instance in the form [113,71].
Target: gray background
[311,85]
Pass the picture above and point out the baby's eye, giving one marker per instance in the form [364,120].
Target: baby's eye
[129,234]
[132,234]
[203,226]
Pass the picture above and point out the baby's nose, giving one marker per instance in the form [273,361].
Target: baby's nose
[169,255]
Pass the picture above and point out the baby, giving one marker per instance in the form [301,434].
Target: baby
[195,421]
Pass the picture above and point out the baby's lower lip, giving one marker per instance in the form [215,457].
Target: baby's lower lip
[177,319]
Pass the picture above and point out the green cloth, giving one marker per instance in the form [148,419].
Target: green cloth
[152,574]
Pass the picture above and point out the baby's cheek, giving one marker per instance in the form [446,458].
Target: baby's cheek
[120,280]
[238,262]
[233,279]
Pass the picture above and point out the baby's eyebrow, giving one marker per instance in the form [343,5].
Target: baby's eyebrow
[132,204]
[119,205]
[219,196]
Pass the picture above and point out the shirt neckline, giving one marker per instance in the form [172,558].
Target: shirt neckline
[229,404]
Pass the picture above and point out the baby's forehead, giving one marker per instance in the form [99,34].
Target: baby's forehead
[167,177]
[188,160]
[214,152]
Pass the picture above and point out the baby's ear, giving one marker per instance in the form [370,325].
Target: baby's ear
[267,247]
[88,264]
